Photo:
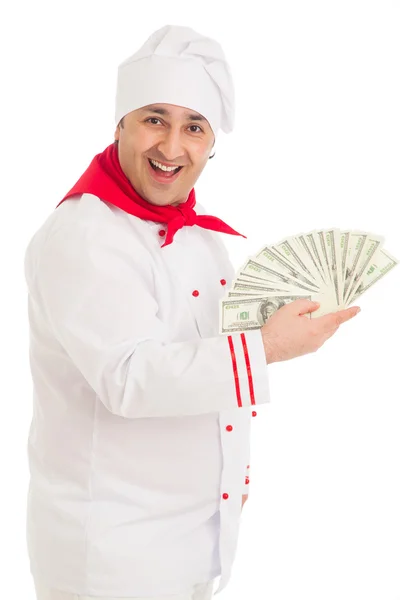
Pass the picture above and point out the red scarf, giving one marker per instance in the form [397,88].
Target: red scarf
[104,178]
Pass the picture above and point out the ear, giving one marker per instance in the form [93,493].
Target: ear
[116,133]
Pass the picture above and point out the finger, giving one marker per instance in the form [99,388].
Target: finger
[334,320]
[301,307]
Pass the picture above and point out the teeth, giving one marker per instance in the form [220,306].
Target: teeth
[163,167]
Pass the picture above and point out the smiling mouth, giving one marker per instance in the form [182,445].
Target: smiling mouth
[166,173]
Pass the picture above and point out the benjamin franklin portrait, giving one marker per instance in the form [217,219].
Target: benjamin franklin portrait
[267,308]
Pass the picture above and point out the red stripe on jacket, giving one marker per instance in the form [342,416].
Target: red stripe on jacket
[235,370]
[248,367]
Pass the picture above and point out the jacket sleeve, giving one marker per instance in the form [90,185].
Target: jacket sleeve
[95,284]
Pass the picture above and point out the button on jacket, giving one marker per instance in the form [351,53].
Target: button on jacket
[139,447]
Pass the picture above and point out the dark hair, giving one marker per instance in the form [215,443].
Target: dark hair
[121,124]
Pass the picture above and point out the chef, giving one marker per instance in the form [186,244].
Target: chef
[139,448]
[139,443]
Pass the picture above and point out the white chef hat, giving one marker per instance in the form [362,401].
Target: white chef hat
[177,65]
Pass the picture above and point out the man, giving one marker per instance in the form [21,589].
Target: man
[139,443]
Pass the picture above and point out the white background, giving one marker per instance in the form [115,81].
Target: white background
[316,144]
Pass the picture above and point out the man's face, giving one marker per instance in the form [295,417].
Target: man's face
[170,135]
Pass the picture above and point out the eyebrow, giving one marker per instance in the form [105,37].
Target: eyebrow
[164,111]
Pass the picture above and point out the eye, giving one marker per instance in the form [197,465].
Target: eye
[153,119]
[190,127]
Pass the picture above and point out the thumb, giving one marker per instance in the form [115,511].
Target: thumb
[302,307]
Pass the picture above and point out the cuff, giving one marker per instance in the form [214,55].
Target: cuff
[249,368]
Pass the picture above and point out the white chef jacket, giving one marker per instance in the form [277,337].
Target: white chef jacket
[139,444]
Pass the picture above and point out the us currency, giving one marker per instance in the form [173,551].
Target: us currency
[252,267]
[245,287]
[252,280]
[357,242]
[289,259]
[329,244]
[270,257]
[332,243]
[381,264]
[306,241]
[246,314]
[313,242]
[245,278]
[321,245]
[370,247]
[344,252]
[331,266]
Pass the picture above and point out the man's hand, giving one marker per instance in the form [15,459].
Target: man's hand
[244,499]
[289,332]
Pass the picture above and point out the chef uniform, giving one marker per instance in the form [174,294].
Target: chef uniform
[139,446]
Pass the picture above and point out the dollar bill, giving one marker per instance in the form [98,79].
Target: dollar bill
[246,314]
[273,274]
[245,289]
[293,255]
[356,242]
[344,253]
[272,257]
[324,254]
[332,243]
[307,243]
[313,243]
[381,264]
[370,247]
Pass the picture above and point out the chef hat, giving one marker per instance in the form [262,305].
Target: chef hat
[177,65]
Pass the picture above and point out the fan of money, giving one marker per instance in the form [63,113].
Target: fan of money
[331,266]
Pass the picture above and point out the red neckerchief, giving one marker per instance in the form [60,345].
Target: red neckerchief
[104,178]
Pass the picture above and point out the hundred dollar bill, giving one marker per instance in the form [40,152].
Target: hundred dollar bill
[324,254]
[245,314]
[240,288]
[303,241]
[332,243]
[240,295]
[243,278]
[274,257]
[319,252]
[344,253]
[262,271]
[290,249]
[381,264]
[357,242]
[313,243]
[251,280]
[254,287]
[371,245]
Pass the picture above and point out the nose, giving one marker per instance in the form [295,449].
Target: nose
[171,145]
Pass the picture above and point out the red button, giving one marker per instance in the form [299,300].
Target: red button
[254,414]
[225,496]
[223,282]
[248,466]
[247,480]
[195,293]
[161,232]
[229,427]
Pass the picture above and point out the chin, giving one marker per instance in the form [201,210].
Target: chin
[161,200]
[156,201]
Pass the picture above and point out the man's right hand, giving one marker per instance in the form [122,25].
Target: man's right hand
[289,332]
